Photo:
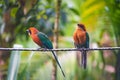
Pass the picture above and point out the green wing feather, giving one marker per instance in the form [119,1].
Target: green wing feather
[84,54]
[46,43]
[87,41]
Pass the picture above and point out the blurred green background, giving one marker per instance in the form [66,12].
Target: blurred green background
[102,21]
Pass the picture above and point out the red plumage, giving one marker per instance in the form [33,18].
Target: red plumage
[79,35]
[33,33]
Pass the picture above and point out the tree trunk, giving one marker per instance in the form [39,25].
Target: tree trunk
[56,36]
[56,25]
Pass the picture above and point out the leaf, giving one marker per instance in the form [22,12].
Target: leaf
[75,11]
[13,12]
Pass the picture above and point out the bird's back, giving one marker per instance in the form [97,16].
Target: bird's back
[46,43]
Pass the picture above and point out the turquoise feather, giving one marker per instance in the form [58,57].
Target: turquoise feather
[46,43]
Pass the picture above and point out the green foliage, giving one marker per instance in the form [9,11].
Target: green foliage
[99,16]
[41,15]
[31,65]
[113,10]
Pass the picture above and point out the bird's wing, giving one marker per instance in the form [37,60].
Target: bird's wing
[87,40]
[45,40]
[84,54]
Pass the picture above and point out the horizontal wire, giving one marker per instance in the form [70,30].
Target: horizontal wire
[60,49]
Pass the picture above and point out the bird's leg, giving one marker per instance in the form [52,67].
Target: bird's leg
[40,48]
[45,49]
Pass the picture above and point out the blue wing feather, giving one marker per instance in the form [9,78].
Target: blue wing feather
[48,44]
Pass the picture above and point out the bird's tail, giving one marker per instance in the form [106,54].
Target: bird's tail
[55,56]
[84,59]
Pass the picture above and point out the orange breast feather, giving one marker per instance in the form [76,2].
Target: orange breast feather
[79,36]
[36,40]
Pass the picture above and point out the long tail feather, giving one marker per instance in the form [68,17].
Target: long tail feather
[84,59]
[54,54]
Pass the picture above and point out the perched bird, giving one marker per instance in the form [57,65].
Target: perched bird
[43,41]
[81,40]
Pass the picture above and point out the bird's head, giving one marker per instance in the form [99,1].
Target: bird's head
[81,26]
[32,30]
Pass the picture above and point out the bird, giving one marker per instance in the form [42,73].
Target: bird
[81,40]
[43,41]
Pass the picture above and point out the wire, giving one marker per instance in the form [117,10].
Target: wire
[60,49]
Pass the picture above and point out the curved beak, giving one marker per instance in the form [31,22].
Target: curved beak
[28,31]
[78,25]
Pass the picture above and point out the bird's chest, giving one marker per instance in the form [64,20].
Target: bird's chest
[80,36]
[36,40]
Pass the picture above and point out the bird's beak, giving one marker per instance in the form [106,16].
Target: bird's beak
[28,32]
[78,24]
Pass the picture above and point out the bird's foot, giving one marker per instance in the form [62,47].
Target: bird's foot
[39,48]
[42,48]
[45,49]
